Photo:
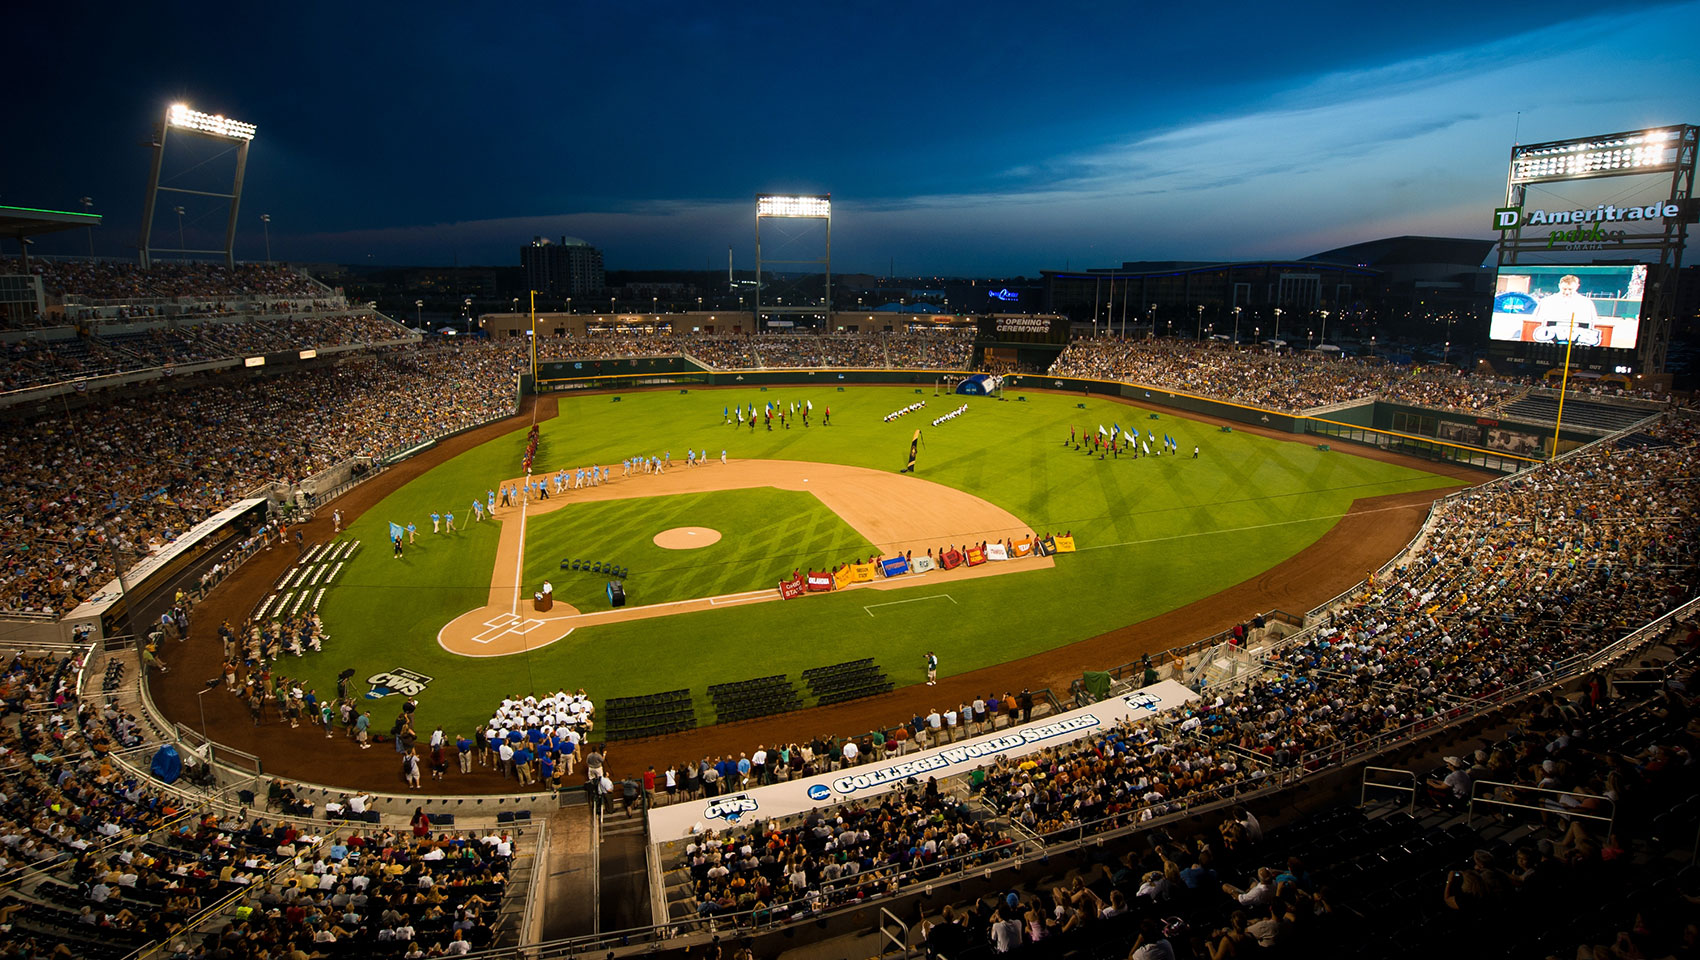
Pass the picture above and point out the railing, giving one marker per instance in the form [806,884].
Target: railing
[531,924]
[215,910]
[982,863]
[1513,789]
[1404,553]
[889,919]
[1077,689]
[1410,789]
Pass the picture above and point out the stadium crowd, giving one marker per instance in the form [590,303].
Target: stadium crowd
[1290,382]
[119,477]
[36,361]
[1510,580]
[110,864]
[941,350]
[96,280]
[854,853]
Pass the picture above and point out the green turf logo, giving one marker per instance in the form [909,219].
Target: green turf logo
[401,680]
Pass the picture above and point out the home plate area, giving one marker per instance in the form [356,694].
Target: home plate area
[507,625]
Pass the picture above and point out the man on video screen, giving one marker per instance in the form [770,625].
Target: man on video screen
[1555,313]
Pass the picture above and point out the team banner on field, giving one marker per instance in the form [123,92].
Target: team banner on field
[951,559]
[996,551]
[819,582]
[843,577]
[1064,544]
[865,572]
[870,780]
[791,589]
[976,556]
[894,566]
[1045,546]
[922,564]
[1024,548]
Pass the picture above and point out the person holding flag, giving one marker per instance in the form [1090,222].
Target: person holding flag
[725,415]
[396,532]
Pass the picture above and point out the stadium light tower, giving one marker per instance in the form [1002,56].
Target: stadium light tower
[777,207]
[184,120]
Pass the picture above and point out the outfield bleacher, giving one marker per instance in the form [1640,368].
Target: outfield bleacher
[1577,413]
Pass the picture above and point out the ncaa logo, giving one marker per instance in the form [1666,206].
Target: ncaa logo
[819,791]
[732,808]
[1141,701]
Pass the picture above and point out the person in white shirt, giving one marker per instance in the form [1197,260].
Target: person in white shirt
[1555,313]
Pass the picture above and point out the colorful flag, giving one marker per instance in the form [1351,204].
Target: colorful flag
[809,405]
[1102,432]
[396,531]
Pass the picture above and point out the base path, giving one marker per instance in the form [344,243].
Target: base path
[897,513]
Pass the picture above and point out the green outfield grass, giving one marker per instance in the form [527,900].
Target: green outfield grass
[765,534]
[1154,533]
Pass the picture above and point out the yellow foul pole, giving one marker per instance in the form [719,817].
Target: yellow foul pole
[1563,385]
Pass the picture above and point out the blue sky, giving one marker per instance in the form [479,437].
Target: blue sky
[989,139]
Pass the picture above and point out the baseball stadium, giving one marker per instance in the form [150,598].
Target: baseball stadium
[677,631]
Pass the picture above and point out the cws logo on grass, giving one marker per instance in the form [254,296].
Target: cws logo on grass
[401,680]
[731,809]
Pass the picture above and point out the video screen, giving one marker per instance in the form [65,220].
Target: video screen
[1545,304]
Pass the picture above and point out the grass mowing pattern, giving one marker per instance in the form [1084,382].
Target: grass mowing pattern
[1156,534]
[765,534]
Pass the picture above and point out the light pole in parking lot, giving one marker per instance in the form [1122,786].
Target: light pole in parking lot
[180,242]
[1236,326]
[266,225]
[1324,326]
[1199,335]
[1277,334]
[87,203]
[419,314]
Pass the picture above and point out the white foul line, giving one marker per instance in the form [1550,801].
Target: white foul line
[937,596]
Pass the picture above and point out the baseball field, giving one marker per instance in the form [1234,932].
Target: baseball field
[701,548]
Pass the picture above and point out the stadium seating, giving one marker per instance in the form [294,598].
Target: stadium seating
[758,697]
[652,715]
[842,682]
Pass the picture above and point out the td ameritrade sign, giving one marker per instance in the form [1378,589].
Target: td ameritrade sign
[881,775]
[1590,225]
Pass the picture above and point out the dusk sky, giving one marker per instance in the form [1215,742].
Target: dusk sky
[967,139]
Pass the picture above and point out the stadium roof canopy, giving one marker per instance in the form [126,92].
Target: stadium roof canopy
[21,222]
[1400,251]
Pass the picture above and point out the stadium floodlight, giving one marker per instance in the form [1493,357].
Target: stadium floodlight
[1639,151]
[794,206]
[216,125]
[772,206]
[188,121]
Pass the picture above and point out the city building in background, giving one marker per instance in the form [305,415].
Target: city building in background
[571,268]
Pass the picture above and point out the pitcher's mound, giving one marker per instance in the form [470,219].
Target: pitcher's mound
[686,538]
